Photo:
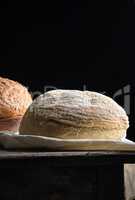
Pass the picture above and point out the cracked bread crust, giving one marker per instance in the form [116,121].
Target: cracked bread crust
[14,101]
[14,98]
[73,114]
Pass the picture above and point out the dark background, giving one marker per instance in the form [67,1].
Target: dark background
[69,44]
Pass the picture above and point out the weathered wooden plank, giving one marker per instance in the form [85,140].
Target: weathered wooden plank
[94,156]
[53,179]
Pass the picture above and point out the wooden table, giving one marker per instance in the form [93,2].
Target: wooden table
[95,175]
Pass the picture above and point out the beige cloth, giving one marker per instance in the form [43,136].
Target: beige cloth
[129,177]
[10,141]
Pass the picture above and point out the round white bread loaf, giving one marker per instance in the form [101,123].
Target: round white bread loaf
[14,101]
[73,114]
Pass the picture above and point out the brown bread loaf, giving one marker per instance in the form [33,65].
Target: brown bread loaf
[14,101]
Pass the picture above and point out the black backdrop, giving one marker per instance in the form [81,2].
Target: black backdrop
[71,44]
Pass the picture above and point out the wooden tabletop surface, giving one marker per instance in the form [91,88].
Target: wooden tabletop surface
[105,156]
